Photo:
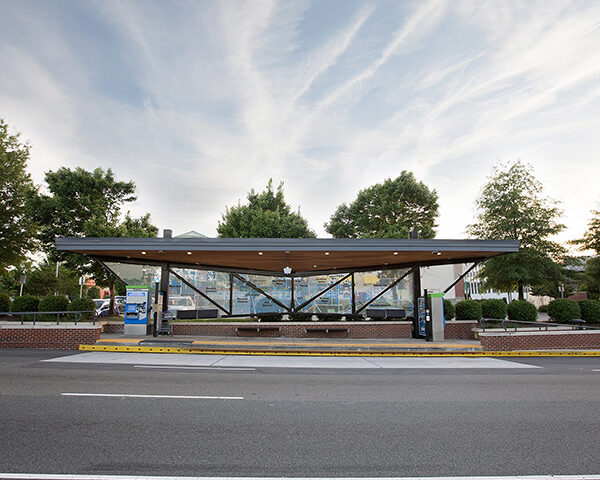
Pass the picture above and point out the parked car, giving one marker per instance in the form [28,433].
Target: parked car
[103,307]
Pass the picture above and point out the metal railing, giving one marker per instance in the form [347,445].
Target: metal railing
[513,325]
[62,313]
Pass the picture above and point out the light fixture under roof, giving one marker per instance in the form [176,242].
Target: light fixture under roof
[189,253]
[143,253]
[436,253]
[326,253]
[395,253]
[260,253]
[314,266]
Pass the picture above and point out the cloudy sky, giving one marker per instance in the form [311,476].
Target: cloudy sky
[200,101]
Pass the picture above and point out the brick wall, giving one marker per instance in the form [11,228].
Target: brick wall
[462,329]
[297,329]
[551,340]
[112,327]
[48,336]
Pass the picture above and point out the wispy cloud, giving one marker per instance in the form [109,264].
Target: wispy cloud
[198,102]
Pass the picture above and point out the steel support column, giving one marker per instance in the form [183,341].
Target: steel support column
[353,294]
[416,273]
[292,300]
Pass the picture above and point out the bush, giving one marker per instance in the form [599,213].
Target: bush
[300,317]
[52,303]
[82,304]
[4,302]
[543,309]
[494,308]
[522,310]
[26,303]
[468,310]
[590,310]
[354,318]
[329,317]
[270,317]
[449,310]
[563,310]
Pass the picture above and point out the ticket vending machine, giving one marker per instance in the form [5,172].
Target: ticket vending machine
[137,304]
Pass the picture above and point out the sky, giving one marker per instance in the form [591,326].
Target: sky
[200,101]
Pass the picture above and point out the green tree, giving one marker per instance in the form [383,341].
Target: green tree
[388,210]
[83,203]
[511,206]
[266,215]
[42,281]
[591,238]
[17,229]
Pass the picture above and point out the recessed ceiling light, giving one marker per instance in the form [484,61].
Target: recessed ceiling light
[385,263]
[189,253]
[314,266]
[436,253]
[143,253]
[260,253]
[326,253]
[395,253]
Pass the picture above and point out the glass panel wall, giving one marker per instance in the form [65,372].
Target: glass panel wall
[336,300]
[213,284]
[369,284]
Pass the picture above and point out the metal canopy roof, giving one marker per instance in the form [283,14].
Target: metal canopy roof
[272,255]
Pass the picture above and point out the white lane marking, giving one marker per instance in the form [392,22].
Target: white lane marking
[133,395]
[196,368]
[42,476]
[596,370]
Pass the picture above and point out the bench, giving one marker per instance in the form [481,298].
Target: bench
[325,330]
[258,331]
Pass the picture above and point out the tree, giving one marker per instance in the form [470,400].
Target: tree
[83,203]
[266,215]
[511,207]
[17,229]
[388,210]
[591,238]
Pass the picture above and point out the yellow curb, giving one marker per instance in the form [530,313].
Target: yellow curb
[408,345]
[120,340]
[138,349]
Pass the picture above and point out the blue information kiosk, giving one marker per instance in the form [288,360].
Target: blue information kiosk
[137,305]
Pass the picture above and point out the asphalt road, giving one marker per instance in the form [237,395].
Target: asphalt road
[299,422]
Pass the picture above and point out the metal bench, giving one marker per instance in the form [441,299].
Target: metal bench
[257,330]
[325,330]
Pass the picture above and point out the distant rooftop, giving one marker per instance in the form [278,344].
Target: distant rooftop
[191,234]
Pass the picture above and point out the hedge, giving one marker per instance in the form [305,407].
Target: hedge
[26,303]
[4,302]
[52,303]
[494,308]
[300,316]
[522,310]
[354,318]
[563,310]
[449,310]
[590,310]
[329,317]
[543,309]
[83,304]
[468,310]
[269,317]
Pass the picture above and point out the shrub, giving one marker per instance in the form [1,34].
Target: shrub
[494,308]
[522,310]
[563,310]
[354,318]
[590,310]
[543,309]
[26,303]
[468,310]
[270,317]
[52,303]
[300,317]
[449,310]
[82,304]
[329,317]
[4,302]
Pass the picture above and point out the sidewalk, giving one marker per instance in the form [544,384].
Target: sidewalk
[282,345]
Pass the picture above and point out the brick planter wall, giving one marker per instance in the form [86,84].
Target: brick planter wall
[297,329]
[62,337]
[550,340]
[460,329]
[112,327]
